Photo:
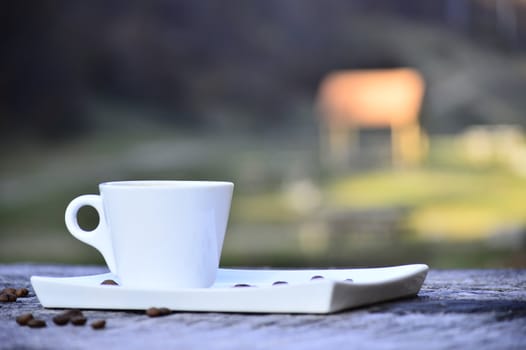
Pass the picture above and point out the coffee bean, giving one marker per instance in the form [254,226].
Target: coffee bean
[99,324]
[317,277]
[242,285]
[78,320]
[7,298]
[156,312]
[109,283]
[8,291]
[34,323]
[153,312]
[278,283]
[66,316]
[21,292]
[164,311]
[24,319]
[61,320]
[73,312]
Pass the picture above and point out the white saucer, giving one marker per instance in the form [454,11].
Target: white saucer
[300,295]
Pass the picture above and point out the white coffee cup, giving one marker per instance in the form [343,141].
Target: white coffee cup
[158,234]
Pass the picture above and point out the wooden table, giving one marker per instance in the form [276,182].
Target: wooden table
[456,309]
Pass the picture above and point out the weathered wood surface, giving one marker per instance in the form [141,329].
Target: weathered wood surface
[456,309]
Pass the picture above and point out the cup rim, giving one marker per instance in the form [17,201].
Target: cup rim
[163,184]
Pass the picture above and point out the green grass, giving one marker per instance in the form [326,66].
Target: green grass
[458,203]
[260,208]
[453,204]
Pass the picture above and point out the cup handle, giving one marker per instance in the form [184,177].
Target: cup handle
[99,238]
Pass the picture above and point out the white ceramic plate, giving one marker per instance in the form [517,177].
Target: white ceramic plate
[300,295]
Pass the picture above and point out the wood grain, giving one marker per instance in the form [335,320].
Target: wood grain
[464,309]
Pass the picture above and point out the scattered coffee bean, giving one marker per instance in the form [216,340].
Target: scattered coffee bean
[348,280]
[66,316]
[78,320]
[73,312]
[164,311]
[24,319]
[61,320]
[153,312]
[99,324]
[317,277]
[242,285]
[156,312]
[34,323]
[109,283]
[75,316]
[279,283]
[7,298]
[21,292]
[8,291]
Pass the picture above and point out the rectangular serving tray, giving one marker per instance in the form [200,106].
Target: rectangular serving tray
[337,290]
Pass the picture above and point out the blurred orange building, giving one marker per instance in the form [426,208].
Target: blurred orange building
[381,98]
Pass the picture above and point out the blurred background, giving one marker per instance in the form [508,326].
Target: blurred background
[339,157]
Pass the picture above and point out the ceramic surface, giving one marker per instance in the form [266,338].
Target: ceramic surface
[334,292]
[167,234]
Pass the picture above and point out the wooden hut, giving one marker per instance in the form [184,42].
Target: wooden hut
[381,98]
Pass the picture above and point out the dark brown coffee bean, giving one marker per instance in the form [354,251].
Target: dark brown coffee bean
[8,291]
[242,285]
[156,312]
[163,311]
[153,312]
[78,320]
[317,277]
[73,312]
[109,283]
[34,323]
[66,316]
[61,320]
[21,292]
[24,319]
[279,283]
[99,324]
[7,298]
